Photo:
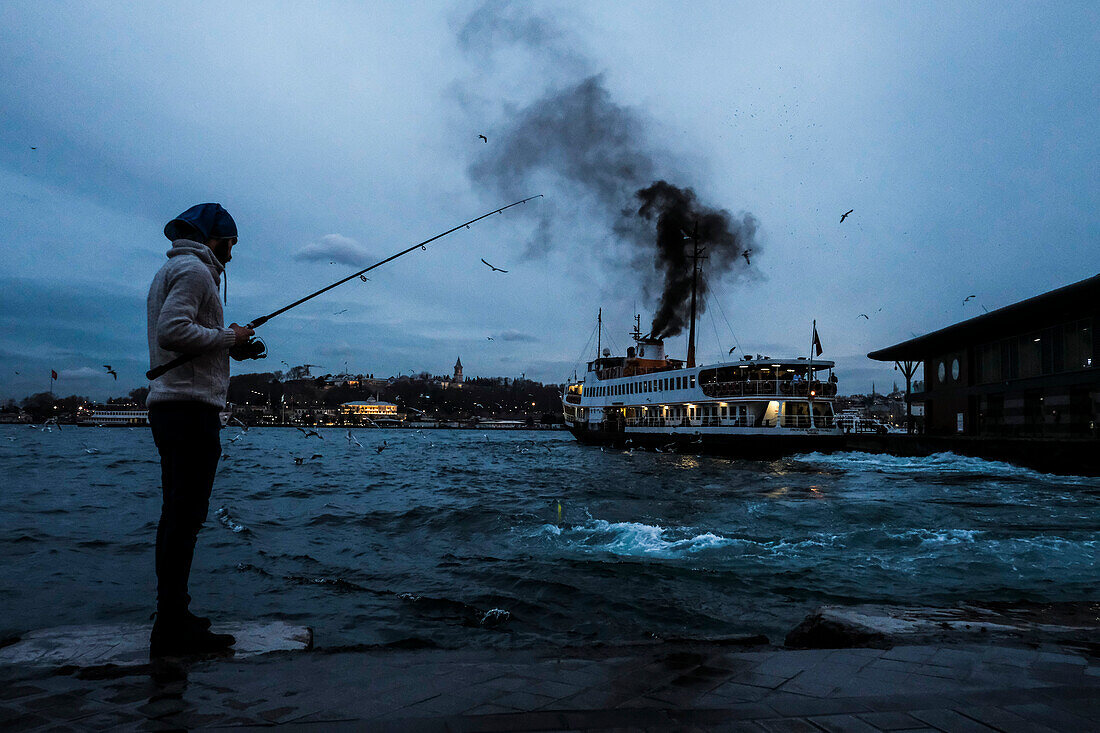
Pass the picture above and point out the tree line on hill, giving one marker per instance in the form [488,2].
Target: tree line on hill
[499,397]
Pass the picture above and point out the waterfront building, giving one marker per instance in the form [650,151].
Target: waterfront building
[370,408]
[457,380]
[1026,370]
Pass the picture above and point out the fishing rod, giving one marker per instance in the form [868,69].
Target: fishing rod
[257,349]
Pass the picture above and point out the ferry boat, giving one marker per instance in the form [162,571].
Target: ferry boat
[755,406]
[102,417]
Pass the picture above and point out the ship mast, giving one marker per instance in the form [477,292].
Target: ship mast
[696,255]
[599,332]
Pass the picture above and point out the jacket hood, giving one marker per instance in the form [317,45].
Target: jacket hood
[207,220]
[188,247]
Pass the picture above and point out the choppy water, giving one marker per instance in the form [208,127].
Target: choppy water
[454,536]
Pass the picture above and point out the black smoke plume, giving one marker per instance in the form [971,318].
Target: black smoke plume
[683,224]
[595,161]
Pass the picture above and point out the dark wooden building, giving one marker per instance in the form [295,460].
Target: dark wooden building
[1023,371]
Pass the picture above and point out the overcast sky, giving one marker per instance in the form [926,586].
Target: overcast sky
[963,136]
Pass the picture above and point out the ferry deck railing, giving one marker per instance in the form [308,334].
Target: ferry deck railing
[686,422]
[746,421]
[768,387]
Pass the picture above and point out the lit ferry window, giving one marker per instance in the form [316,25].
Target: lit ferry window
[692,380]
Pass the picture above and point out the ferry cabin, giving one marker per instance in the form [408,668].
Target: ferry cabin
[657,398]
[103,417]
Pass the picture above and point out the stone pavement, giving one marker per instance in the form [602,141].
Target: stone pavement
[680,686]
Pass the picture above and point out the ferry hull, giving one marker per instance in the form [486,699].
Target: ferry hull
[741,445]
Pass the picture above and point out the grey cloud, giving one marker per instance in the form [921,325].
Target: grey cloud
[515,336]
[83,373]
[335,248]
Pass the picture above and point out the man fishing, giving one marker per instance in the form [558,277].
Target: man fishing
[185,318]
[189,371]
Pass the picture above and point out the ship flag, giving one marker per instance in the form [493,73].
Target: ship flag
[817,341]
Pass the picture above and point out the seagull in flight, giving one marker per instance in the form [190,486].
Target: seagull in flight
[382,447]
[495,269]
[746,254]
[351,439]
[488,338]
[845,215]
[484,138]
[339,312]
[238,420]
[733,350]
[311,433]
[864,315]
[967,298]
[364,278]
[111,371]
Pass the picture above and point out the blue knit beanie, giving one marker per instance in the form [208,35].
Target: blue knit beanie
[209,221]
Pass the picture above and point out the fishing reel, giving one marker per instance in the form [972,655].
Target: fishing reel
[254,348]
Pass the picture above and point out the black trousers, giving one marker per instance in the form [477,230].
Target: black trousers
[187,434]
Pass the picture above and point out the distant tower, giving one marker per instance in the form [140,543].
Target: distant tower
[458,372]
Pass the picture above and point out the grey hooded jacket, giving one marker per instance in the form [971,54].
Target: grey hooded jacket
[185,317]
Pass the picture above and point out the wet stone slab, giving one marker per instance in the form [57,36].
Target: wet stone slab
[127,645]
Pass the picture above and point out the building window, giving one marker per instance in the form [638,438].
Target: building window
[941,372]
[955,369]
[1031,354]
[1077,344]
[989,363]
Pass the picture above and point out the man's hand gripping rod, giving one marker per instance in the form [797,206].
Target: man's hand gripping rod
[184,358]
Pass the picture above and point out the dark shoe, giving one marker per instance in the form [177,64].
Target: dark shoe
[184,640]
[200,622]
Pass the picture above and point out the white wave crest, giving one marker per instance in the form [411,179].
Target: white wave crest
[227,521]
[938,536]
[635,539]
[942,463]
